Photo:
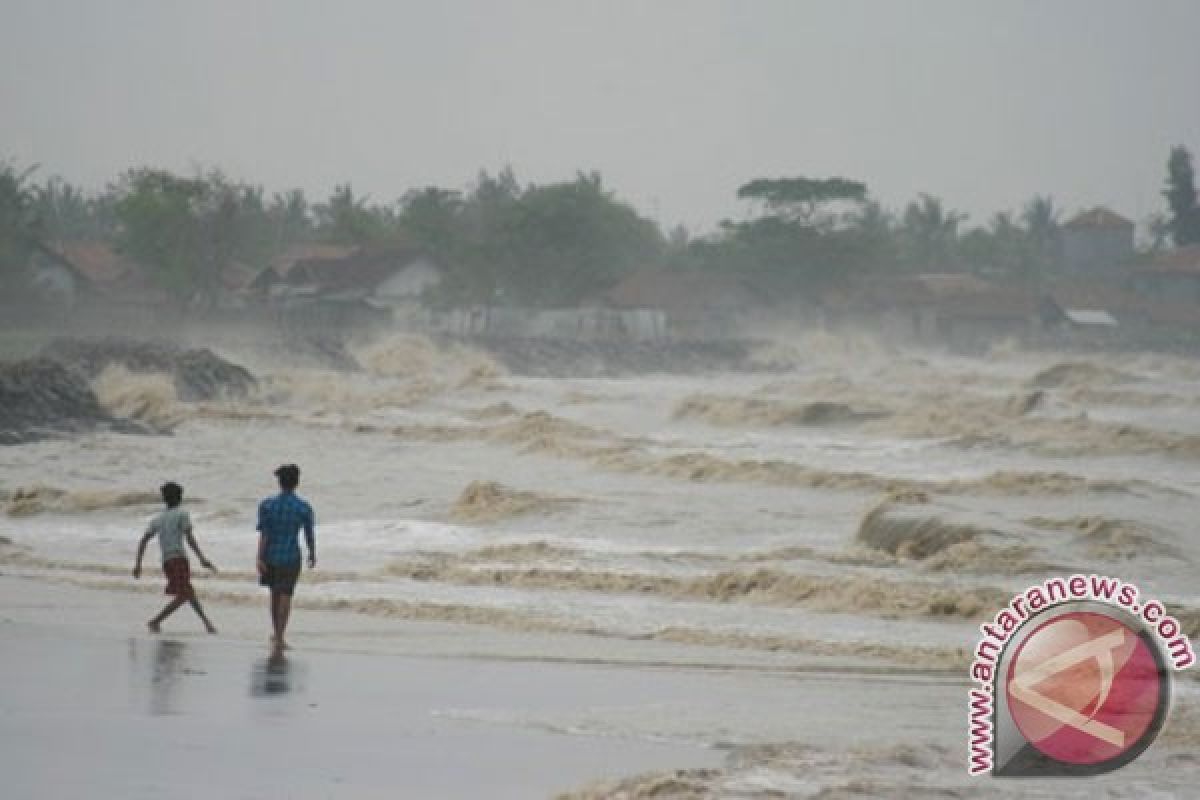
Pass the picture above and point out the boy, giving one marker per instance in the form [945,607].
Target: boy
[281,517]
[173,527]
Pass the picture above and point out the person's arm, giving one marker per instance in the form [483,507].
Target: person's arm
[259,560]
[141,551]
[310,538]
[191,540]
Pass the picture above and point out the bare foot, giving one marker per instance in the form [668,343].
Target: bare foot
[153,626]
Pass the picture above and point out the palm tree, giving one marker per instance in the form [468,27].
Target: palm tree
[20,228]
[930,234]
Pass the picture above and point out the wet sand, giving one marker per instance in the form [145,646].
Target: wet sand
[362,708]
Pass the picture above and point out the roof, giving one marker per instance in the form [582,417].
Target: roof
[239,276]
[680,290]
[1181,260]
[1098,217]
[1090,317]
[110,272]
[96,261]
[951,295]
[296,253]
[358,270]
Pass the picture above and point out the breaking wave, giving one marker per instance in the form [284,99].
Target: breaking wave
[773,587]
[408,356]
[25,502]
[1079,373]
[146,397]
[488,501]
[1108,537]
[722,410]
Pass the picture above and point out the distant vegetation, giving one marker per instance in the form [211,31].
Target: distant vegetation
[544,245]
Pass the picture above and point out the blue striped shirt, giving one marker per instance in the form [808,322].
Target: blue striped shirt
[280,519]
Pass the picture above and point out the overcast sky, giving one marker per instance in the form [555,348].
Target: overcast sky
[676,103]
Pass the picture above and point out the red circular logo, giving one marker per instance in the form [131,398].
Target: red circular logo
[1084,688]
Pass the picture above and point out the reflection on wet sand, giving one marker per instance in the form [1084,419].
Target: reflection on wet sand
[272,676]
[170,660]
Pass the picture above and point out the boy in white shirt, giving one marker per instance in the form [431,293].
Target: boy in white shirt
[173,527]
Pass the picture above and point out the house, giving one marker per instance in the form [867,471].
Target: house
[109,276]
[695,304]
[387,278]
[1097,241]
[56,280]
[1172,276]
[958,309]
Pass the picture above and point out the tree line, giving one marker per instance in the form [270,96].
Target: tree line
[549,244]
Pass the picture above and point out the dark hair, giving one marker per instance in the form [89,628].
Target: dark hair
[289,476]
[172,493]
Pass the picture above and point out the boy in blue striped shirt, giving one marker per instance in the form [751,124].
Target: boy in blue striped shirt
[280,520]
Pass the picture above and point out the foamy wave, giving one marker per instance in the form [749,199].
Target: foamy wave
[939,543]
[723,410]
[1108,537]
[148,398]
[32,500]
[853,593]
[488,501]
[406,356]
[1079,373]
[797,769]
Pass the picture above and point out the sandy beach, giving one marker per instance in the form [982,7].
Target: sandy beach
[364,708]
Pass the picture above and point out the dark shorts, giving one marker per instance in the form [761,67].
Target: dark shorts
[179,577]
[280,578]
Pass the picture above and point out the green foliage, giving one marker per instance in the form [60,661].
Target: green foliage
[549,245]
[802,199]
[67,213]
[929,236]
[346,219]
[186,231]
[1180,192]
[20,227]
[799,245]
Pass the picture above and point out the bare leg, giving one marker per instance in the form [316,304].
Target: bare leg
[208,626]
[283,610]
[169,609]
[274,617]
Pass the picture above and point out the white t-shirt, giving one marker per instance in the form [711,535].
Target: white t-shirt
[170,526]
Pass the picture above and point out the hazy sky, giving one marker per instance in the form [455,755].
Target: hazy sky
[676,103]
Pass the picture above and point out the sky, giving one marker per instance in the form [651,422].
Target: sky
[676,104]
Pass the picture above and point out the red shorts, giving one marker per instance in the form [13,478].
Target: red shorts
[179,577]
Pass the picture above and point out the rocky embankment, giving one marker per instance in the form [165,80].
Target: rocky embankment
[56,393]
[198,374]
[40,398]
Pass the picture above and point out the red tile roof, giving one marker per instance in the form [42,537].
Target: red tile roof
[1098,218]
[1184,259]
[96,261]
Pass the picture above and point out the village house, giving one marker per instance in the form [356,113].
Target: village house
[694,304]
[1172,276]
[338,282]
[108,277]
[957,309]
[1096,242]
